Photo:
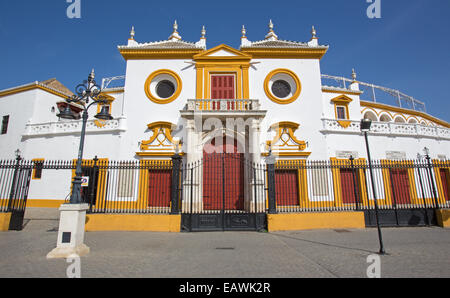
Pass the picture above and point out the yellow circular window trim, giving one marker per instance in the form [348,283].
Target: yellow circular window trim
[163,100]
[282,101]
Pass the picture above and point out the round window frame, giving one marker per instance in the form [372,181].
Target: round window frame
[154,78]
[270,77]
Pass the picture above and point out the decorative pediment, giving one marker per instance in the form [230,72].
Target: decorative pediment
[222,52]
[161,142]
[285,142]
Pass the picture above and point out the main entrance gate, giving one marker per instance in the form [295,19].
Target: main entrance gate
[223,192]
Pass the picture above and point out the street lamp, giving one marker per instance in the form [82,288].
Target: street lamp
[87,91]
[73,215]
[365,128]
[430,174]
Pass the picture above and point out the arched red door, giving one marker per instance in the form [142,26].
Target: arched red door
[223,176]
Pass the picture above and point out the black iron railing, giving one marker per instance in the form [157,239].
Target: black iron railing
[232,184]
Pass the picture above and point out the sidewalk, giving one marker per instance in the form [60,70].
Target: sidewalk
[412,252]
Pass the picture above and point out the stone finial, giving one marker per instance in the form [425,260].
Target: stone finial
[175,35]
[202,42]
[353,74]
[132,33]
[203,32]
[271,35]
[313,32]
[243,31]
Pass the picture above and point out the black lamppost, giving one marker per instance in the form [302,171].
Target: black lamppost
[85,92]
[430,174]
[365,128]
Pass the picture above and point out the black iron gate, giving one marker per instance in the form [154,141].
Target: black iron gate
[223,192]
[15,179]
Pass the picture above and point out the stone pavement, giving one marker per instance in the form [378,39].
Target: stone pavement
[412,252]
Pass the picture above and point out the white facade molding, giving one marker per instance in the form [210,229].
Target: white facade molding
[74,127]
[388,129]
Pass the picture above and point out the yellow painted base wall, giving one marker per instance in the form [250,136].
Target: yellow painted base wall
[314,221]
[133,222]
[4,221]
[44,203]
[443,218]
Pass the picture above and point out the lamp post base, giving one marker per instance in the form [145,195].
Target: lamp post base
[71,232]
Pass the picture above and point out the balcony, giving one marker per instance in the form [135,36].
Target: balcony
[223,108]
[388,129]
[73,127]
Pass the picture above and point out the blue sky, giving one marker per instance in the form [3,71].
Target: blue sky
[407,49]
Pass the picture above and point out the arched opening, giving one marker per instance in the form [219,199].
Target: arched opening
[370,115]
[385,118]
[400,120]
[412,121]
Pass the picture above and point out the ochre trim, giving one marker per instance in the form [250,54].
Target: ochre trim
[342,101]
[281,100]
[32,87]
[110,99]
[133,222]
[286,154]
[286,128]
[144,54]
[160,128]
[205,56]
[161,100]
[358,164]
[36,161]
[269,53]
[405,111]
[443,217]
[5,219]
[314,221]
[44,203]
[158,154]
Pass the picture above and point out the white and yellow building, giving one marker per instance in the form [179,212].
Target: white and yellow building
[177,94]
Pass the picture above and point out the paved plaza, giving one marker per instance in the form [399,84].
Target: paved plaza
[412,252]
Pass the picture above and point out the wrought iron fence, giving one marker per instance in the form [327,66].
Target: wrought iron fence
[159,187]
[345,185]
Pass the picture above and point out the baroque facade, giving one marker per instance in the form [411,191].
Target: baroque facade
[268,96]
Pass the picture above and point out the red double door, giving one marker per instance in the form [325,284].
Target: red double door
[286,188]
[348,190]
[159,185]
[400,186]
[223,177]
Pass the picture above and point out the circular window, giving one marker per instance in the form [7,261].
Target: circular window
[163,86]
[165,89]
[282,86]
[281,89]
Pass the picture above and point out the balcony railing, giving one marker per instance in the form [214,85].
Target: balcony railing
[74,127]
[223,105]
[389,128]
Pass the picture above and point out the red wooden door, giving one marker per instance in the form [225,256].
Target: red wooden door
[286,188]
[220,168]
[445,183]
[347,186]
[159,188]
[401,186]
[222,87]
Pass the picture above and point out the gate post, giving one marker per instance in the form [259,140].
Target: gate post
[174,195]
[270,161]
[12,193]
